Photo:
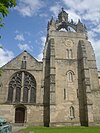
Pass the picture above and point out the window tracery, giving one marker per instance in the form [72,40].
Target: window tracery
[23,84]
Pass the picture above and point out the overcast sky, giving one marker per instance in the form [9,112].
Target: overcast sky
[26,25]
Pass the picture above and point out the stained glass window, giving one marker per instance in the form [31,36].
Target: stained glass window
[22,88]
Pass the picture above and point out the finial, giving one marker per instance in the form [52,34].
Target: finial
[52,21]
[62,9]
[51,24]
[52,18]
[79,22]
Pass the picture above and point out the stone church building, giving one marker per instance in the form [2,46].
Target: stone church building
[63,89]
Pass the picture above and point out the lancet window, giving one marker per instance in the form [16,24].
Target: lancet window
[72,112]
[69,54]
[70,75]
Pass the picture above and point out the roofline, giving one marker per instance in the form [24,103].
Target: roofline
[19,55]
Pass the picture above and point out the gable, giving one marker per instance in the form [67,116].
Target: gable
[16,63]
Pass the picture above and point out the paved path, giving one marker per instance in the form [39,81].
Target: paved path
[15,129]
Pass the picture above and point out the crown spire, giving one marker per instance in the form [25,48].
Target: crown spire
[63,23]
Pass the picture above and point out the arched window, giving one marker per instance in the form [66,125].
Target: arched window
[72,112]
[69,54]
[22,88]
[30,84]
[10,93]
[24,63]
[70,76]
[15,86]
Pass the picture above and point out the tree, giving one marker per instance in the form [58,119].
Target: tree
[4,9]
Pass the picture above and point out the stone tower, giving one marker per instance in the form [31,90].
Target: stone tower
[71,86]
[63,89]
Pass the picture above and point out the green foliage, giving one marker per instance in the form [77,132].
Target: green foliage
[61,130]
[5,5]
[4,9]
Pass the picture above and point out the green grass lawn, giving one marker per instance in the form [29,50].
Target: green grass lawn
[62,130]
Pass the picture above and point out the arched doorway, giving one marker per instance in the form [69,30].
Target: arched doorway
[20,115]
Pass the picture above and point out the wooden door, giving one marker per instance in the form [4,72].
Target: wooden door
[19,115]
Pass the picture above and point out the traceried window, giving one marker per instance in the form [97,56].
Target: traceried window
[22,88]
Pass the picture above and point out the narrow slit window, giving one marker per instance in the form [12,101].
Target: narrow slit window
[64,94]
[67,53]
[71,54]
